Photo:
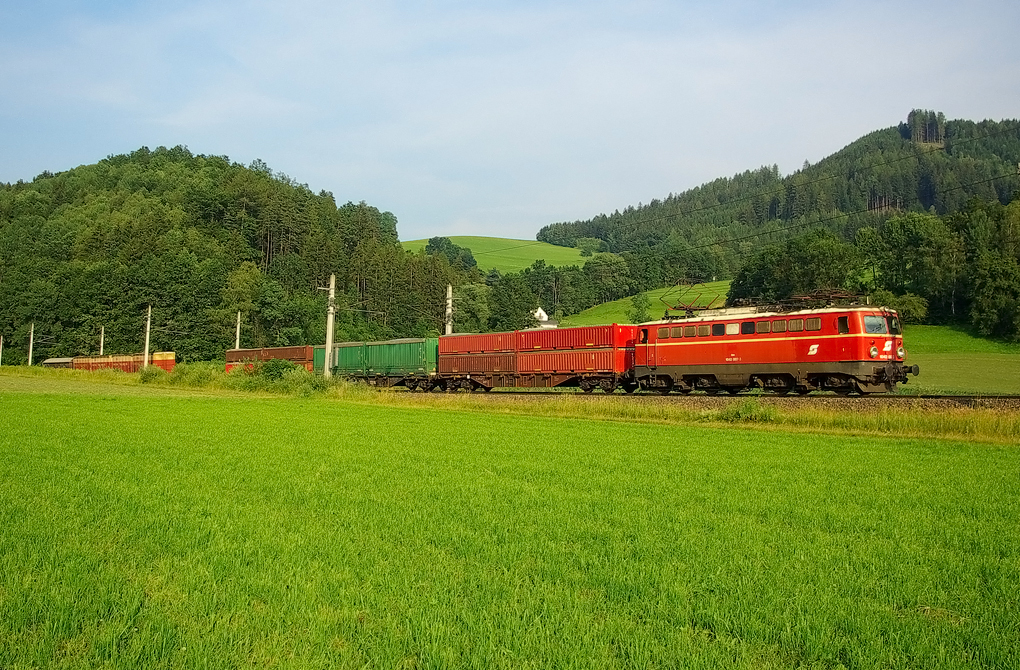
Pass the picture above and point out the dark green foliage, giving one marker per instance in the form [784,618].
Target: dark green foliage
[816,260]
[512,304]
[639,308]
[458,256]
[274,368]
[927,163]
[199,238]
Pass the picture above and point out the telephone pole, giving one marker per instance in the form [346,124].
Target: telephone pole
[237,334]
[330,313]
[148,325]
[449,309]
[1,349]
[31,341]
[102,336]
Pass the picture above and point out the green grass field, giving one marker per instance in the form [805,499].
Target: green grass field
[174,530]
[616,311]
[953,360]
[508,255]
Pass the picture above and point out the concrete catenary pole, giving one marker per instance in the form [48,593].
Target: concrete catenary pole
[237,333]
[102,336]
[1,349]
[330,312]
[449,309]
[31,341]
[148,325]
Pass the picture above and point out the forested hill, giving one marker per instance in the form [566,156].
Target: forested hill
[199,238]
[926,163]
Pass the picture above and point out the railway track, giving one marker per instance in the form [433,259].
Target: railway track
[822,399]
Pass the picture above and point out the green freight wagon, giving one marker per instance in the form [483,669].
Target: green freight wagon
[410,362]
[319,359]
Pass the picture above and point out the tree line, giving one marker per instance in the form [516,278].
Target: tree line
[961,268]
[928,164]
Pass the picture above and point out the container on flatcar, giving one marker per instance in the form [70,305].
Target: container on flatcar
[348,359]
[581,337]
[401,358]
[588,356]
[318,358]
[478,343]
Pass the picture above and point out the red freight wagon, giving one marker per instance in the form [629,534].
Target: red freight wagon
[589,357]
[300,355]
[127,363]
[838,349]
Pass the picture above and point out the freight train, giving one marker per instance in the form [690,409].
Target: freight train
[839,349]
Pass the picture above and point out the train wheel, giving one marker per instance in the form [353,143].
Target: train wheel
[587,386]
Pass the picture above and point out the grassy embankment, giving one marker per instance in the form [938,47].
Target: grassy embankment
[508,255]
[616,311]
[175,530]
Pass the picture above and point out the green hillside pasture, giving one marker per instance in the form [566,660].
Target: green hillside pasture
[508,255]
[953,340]
[953,360]
[616,311]
[227,532]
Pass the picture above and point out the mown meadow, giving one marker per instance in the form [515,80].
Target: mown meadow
[508,255]
[146,526]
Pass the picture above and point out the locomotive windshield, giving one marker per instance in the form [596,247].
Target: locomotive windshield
[894,325]
[875,325]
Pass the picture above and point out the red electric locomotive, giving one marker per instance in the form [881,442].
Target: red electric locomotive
[841,349]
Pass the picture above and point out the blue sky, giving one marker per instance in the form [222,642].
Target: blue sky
[491,118]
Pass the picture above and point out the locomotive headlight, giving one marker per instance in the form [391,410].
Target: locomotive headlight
[900,353]
[874,352]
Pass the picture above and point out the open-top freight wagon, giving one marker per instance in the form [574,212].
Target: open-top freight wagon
[299,355]
[165,360]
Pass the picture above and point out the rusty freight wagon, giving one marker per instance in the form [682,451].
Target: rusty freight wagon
[302,355]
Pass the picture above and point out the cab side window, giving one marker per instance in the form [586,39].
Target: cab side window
[643,336]
[843,325]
